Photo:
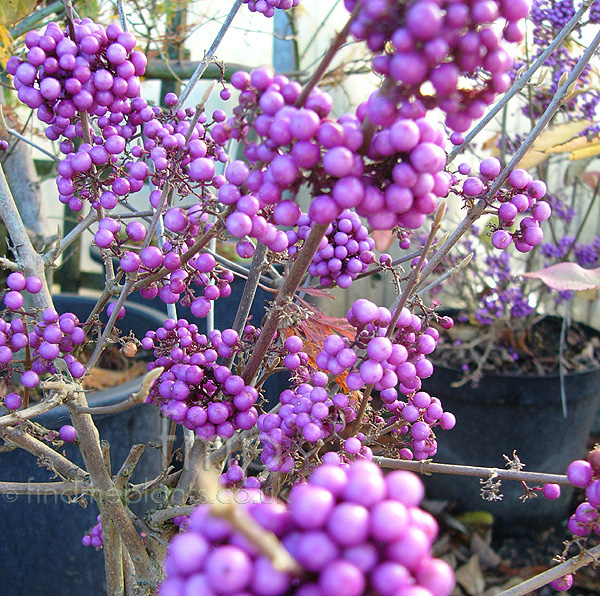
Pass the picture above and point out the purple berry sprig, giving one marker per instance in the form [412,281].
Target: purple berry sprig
[235,477]
[586,474]
[268,7]
[523,198]
[307,416]
[392,365]
[347,253]
[194,390]
[394,177]
[94,537]
[32,340]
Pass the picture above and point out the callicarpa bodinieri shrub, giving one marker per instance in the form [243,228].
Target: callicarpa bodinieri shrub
[279,494]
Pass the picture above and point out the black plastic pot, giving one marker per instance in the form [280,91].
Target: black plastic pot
[40,549]
[504,414]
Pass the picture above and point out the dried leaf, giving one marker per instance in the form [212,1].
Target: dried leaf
[12,11]
[479,518]
[318,293]
[491,144]
[568,276]
[470,577]
[102,378]
[6,46]
[588,295]
[571,145]
[313,331]
[560,134]
[549,139]
[488,558]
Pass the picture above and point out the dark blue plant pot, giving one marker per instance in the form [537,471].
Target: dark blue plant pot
[41,548]
[507,413]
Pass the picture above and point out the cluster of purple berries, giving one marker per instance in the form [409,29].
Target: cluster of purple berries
[548,18]
[351,530]
[347,249]
[586,519]
[193,389]
[177,286]
[525,195]
[174,148]
[48,336]
[94,538]
[406,173]
[397,183]
[98,73]
[250,216]
[438,43]
[235,477]
[268,7]
[586,474]
[307,415]
[388,364]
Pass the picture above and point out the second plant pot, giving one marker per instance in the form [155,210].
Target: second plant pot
[504,414]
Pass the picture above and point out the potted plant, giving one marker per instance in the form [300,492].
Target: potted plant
[270,499]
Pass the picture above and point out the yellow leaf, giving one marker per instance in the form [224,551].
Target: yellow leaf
[551,138]
[576,143]
[491,143]
[12,11]
[6,46]
[588,295]
[590,150]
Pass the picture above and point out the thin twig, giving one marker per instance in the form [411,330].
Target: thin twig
[25,254]
[62,245]
[589,557]
[335,46]
[31,22]
[210,54]
[187,480]
[285,294]
[415,275]
[126,470]
[428,467]
[447,275]
[250,288]
[157,518]
[46,488]
[45,453]
[20,416]
[133,400]
[18,135]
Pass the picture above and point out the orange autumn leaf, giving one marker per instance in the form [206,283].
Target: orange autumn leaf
[313,330]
